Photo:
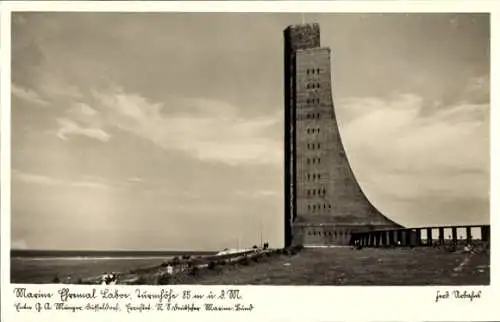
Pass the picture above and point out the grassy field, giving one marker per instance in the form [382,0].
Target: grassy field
[345,266]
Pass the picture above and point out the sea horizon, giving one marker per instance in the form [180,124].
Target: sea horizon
[43,266]
[101,254]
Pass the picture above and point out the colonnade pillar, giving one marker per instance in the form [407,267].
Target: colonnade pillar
[419,237]
[485,233]
[429,236]
[441,235]
[454,235]
[468,233]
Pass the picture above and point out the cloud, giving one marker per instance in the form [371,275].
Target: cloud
[393,133]
[94,182]
[34,178]
[258,194]
[79,182]
[82,110]
[135,180]
[28,95]
[19,244]
[56,87]
[18,19]
[401,151]
[70,128]
[477,90]
[206,129]
[81,120]
[454,22]
[90,184]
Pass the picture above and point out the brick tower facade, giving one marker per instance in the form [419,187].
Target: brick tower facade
[324,203]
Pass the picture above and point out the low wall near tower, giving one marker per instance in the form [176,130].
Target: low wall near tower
[414,236]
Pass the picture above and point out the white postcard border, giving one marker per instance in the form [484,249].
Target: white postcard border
[277,303]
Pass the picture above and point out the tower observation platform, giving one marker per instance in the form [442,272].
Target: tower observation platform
[324,204]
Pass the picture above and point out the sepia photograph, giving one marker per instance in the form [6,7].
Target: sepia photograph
[238,148]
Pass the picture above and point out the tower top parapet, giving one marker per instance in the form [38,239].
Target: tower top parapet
[302,36]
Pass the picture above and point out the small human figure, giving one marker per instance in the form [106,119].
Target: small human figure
[112,279]
[170,270]
[56,279]
[104,278]
[109,278]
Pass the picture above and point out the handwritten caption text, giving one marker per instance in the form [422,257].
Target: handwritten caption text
[130,301]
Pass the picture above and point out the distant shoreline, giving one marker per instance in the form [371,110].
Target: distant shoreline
[27,253]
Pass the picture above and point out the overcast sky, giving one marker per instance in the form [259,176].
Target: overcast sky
[165,131]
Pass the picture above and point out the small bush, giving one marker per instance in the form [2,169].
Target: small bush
[163,279]
[293,250]
[244,261]
[56,279]
[451,248]
[193,271]
[211,265]
[255,247]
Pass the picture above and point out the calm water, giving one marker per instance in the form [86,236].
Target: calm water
[42,267]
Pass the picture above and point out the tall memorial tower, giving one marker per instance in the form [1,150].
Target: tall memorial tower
[324,203]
